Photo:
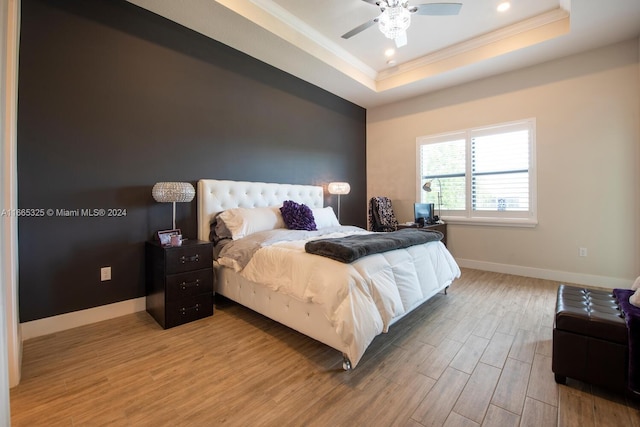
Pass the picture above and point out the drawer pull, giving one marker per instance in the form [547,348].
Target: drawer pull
[185,285]
[185,310]
[194,258]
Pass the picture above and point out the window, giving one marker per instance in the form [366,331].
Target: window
[482,175]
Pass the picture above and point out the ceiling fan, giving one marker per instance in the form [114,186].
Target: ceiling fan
[396,17]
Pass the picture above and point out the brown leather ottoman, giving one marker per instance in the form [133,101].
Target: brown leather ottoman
[590,338]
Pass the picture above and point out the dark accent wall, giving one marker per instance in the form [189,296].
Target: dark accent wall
[112,99]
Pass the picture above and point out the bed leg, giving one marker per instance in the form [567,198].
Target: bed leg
[445,290]
[346,363]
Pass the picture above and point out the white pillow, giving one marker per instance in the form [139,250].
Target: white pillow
[635,299]
[325,217]
[636,284]
[244,221]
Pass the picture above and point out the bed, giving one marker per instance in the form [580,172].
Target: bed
[343,305]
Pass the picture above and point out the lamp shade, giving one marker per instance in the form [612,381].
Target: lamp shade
[339,188]
[166,192]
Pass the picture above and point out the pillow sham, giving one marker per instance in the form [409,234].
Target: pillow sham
[218,230]
[244,221]
[325,217]
[636,284]
[297,216]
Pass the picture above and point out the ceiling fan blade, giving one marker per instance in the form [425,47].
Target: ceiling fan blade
[401,39]
[359,29]
[437,9]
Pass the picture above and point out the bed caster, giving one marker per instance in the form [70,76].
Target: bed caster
[346,363]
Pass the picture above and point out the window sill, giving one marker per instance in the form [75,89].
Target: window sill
[494,222]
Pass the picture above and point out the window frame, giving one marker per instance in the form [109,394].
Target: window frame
[468,216]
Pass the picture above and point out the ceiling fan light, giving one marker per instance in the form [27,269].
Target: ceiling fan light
[401,39]
[394,21]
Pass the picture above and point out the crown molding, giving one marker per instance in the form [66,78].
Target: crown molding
[277,20]
[525,33]
[479,42]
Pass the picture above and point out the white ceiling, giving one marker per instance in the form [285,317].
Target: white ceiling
[302,37]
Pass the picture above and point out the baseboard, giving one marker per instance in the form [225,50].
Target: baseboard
[50,325]
[555,275]
[62,322]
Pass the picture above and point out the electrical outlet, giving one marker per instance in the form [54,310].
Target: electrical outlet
[583,252]
[105,274]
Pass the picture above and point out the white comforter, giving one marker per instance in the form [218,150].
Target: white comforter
[360,299]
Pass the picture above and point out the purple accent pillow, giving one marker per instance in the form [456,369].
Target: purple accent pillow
[297,216]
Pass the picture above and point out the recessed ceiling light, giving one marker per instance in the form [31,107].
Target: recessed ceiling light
[389,52]
[391,62]
[504,6]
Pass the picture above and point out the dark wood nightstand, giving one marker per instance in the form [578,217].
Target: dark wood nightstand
[179,282]
[437,227]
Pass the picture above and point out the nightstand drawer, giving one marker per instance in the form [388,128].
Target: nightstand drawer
[179,282]
[189,284]
[188,309]
[189,258]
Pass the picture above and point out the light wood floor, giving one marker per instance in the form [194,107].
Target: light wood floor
[480,355]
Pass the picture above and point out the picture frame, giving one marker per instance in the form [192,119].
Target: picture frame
[164,236]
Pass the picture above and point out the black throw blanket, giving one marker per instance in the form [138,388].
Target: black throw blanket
[632,317]
[350,248]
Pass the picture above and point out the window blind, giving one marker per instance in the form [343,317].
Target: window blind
[481,173]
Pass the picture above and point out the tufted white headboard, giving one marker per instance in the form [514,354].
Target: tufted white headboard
[215,196]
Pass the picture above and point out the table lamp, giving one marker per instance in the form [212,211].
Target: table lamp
[339,188]
[427,187]
[173,192]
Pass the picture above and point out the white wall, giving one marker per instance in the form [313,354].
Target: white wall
[5,414]
[587,108]
[10,341]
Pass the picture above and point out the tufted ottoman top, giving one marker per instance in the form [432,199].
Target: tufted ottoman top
[590,312]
